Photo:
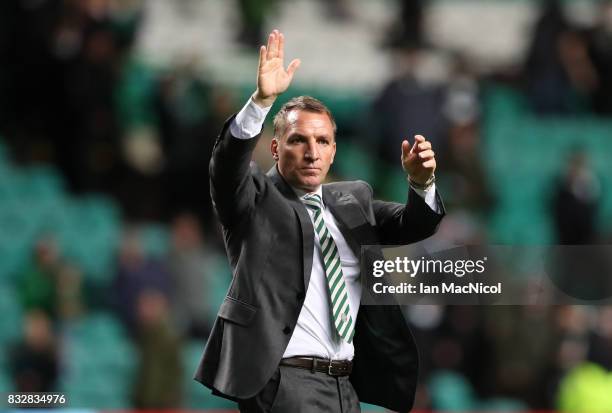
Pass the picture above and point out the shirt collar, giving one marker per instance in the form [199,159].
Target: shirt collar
[300,193]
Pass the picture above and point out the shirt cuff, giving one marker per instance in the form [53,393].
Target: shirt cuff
[248,122]
[429,195]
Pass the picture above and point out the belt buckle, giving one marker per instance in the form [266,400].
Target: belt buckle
[329,369]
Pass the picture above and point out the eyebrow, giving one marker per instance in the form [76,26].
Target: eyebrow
[297,135]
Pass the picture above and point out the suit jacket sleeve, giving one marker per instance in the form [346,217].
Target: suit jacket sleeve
[231,187]
[399,224]
[386,356]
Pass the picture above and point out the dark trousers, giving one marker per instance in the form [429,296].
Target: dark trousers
[296,390]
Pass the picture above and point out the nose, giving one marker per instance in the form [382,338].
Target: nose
[312,151]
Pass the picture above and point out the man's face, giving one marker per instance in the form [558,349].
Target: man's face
[306,150]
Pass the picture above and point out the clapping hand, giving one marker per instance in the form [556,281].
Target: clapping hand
[272,78]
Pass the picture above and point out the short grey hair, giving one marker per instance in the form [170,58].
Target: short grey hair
[305,103]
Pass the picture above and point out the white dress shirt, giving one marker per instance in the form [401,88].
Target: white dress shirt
[315,333]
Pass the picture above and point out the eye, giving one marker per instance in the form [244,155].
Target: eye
[323,141]
[297,139]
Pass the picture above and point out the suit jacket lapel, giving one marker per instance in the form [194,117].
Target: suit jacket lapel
[346,210]
[303,218]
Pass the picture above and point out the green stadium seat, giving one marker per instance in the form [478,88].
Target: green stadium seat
[523,156]
[11,328]
[355,162]
[11,182]
[6,384]
[18,230]
[43,182]
[100,363]
[451,392]
[155,239]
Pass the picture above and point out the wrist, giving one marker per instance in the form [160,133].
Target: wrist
[261,101]
[422,185]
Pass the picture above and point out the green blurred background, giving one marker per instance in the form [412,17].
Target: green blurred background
[111,262]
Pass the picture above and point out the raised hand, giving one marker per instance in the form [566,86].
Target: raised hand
[272,78]
[418,160]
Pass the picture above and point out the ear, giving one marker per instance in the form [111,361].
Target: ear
[333,153]
[274,148]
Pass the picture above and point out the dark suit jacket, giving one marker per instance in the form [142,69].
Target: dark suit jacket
[269,240]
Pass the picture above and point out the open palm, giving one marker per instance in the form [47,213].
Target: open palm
[272,78]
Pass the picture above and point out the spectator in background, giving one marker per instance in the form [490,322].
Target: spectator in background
[407,104]
[34,360]
[185,108]
[158,378]
[579,272]
[455,338]
[407,30]
[70,292]
[584,369]
[51,284]
[136,273]
[38,282]
[30,77]
[337,10]
[167,123]
[60,75]
[572,323]
[558,72]
[519,359]
[90,96]
[577,196]
[252,18]
[190,264]
[600,341]
[600,50]
[462,167]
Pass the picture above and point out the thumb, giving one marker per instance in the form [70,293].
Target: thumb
[295,63]
[405,148]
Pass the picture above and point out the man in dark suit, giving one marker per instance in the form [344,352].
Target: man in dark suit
[291,334]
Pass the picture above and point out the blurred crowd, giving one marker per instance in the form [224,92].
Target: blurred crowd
[161,301]
[74,93]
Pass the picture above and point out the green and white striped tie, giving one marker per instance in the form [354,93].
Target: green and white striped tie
[333,269]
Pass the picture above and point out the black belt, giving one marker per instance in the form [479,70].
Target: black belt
[331,367]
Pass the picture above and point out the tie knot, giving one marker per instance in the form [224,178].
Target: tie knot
[313,201]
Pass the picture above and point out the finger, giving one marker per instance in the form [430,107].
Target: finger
[427,154]
[419,138]
[295,63]
[429,164]
[262,56]
[415,146]
[424,146]
[269,47]
[405,148]
[281,46]
[274,44]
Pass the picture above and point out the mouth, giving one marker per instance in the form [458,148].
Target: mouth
[311,170]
